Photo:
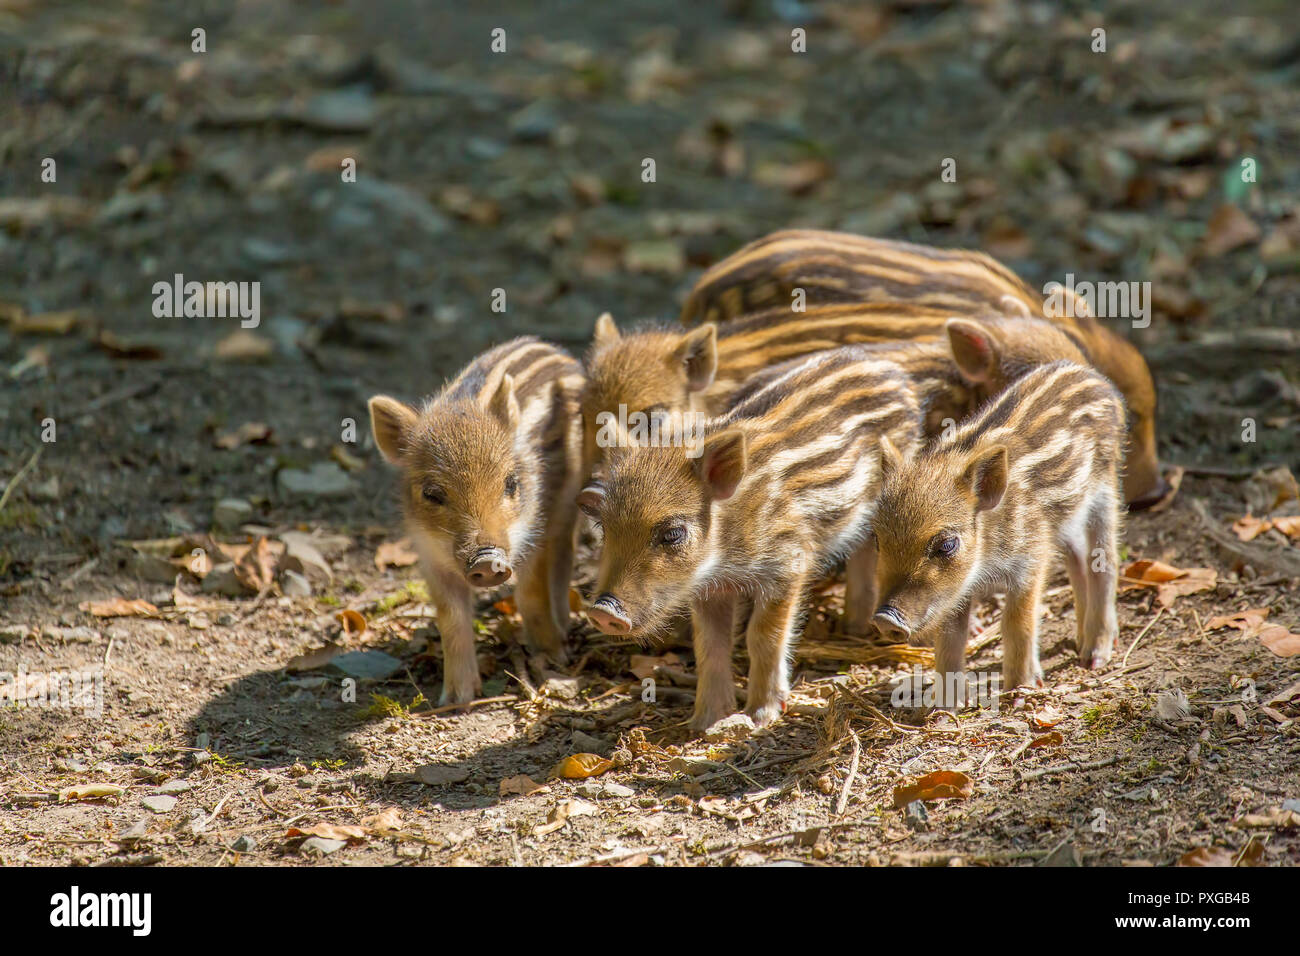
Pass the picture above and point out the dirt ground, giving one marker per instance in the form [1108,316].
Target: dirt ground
[223,740]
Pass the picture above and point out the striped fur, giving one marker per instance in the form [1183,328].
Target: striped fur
[986,507]
[782,489]
[490,467]
[837,270]
[651,368]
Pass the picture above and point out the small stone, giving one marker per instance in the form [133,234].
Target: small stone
[302,555]
[160,803]
[12,633]
[366,665]
[437,775]
[201,757]
[533,124]
[223,580]
[229,513]
[244,844]
[617,791]
[1067,854]
[294,584]
[176,786]
[730,729]
[45,491]
[322,480]
[150,567]
[321,846]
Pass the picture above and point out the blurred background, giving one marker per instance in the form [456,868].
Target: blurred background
[522,171]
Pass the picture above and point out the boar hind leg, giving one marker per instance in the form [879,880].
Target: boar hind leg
[715,690]
[860,591]
[1077,566]
[950,660]
[771,629]
[543,595]
[1020,630]
[1100,624]
[453,605]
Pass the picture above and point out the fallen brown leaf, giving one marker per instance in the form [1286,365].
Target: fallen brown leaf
[395,554]
[581,766]
[940,785]
[351,621]
[1229,228]
[328,831]
[522,785]
[119,607]
[255,570]
[249,433]
[1170,583]
[1054,739]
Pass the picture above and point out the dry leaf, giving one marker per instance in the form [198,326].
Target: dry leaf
[244,346]
[313,659]
[643,665]
[581,766]
[1289,525]
[346,460]
[1252,855]
[522,785]
[1248,621]
[328,831]
[1170,583]
[249,433]
[1046,718]
[1248,527]
[795,178]
[1229,228]
[395,554]
[90,791]
[351,621]
[561,813]
[119,607]
[940,785]
[1054,739]
[256,569]
[1279,640]
[506,605]
[387,820]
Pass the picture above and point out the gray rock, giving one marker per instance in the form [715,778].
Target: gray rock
[294,584]
[1067,854]
[176,786]
[221,580]
[437,775]
[302,555]
[323,480]
[160,803]
[320,846]
[150,567]
[730,729]
[535,123]
[229,513]
[13,633]
[366,665]
[617,791]
[244,844]
[337,111]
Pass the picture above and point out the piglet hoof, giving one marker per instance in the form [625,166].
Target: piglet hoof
[767,714]
[1094,660]
[457,692]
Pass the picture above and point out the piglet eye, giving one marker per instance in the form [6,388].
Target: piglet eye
[434,495]
[946,546]
[512,486]
[673,536]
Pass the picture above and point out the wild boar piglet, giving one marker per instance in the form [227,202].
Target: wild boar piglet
[775,492]
[489,470]
[985,508]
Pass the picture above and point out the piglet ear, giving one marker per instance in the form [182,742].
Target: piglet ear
[973,349]
[591,499]
[391,422]
[721,465]
[891,460]
[503,405]
[986,476]
[606,331]
[698,353]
